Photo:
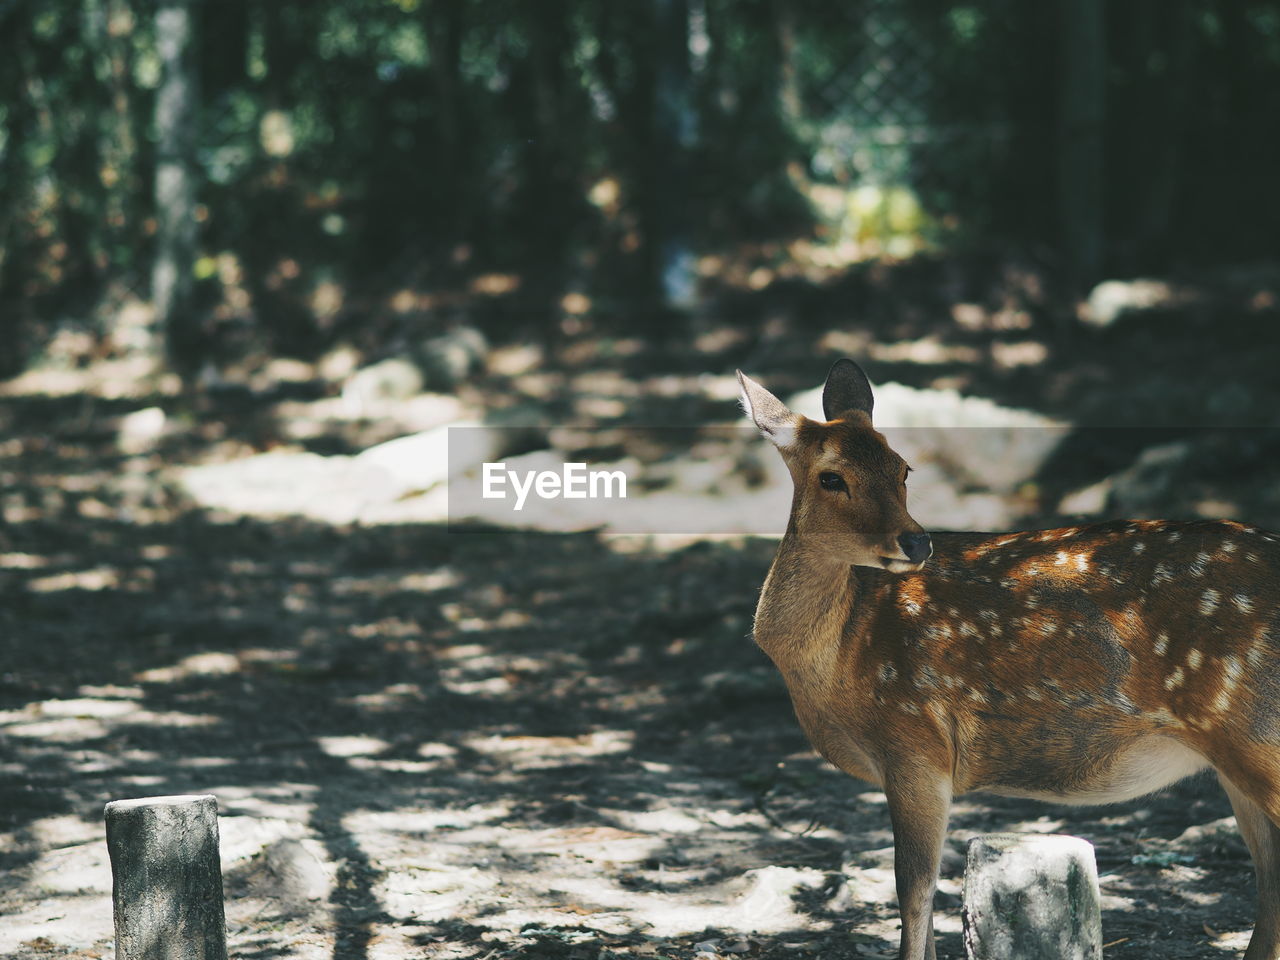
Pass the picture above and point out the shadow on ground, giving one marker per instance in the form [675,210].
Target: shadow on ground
[474,741]
[479,744]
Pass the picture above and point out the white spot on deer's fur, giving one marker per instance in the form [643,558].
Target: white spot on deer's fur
[1082,562]
[968,630]
[938,631]
[1229,546]
[1232,670]
[927,678]
[936,711]
[1199,564]
[1194,659]
[887,673]
[1174,679]
[1122,701]
[1222,701]
[1209,601]
[1175,536]
[990,615]
[1243,603]
[1161,573]
[1061,558]
[910,708]
[1251,557]
[977,697]
[1257,653]
[1161,645]
[1139,546]
[911,607]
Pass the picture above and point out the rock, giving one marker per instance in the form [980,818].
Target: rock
[769,902]
[307,419]
[295,872]
[285,483]
[1087,501]
[142,430]
[450,358]
[421,460]
[379,485]
[1149,482]
[1112,300]
[969,453]
[339,363]
[392,379]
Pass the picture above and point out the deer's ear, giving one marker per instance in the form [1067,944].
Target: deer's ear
[770,415]
[847,388]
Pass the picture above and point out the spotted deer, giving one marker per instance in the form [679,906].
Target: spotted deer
[1083,665]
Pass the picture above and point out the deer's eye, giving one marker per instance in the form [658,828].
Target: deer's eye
[832,481]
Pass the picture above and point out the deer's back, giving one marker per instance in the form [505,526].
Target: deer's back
[1081,664]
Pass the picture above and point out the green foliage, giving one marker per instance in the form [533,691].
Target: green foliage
[369,140]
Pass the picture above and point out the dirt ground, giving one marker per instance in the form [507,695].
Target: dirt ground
[449,743]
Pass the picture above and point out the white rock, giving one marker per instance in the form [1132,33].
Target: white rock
[769,903]
[393,379]
[142,430]
[1113,299]
[451,357]
[380,485]
[977,443]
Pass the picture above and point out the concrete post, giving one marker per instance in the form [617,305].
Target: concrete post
[1031,897]
[167,878]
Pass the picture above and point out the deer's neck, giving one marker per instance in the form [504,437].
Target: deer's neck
[810,608]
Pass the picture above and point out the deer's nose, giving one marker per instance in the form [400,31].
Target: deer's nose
[917,546]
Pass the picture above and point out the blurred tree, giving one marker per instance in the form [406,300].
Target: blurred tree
[1081,144]
[348,149]
[176,184]
[675,134]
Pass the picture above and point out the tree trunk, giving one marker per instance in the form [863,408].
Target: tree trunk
[675,133]
[176,182]
[1081,144]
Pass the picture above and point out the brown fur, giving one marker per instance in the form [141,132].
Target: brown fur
[1130,654]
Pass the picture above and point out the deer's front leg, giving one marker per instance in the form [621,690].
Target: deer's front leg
[919,799]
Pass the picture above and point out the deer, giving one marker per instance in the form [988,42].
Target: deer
[1081,665]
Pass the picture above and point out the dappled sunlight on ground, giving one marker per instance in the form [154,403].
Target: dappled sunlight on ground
[463,743]
[618,768]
